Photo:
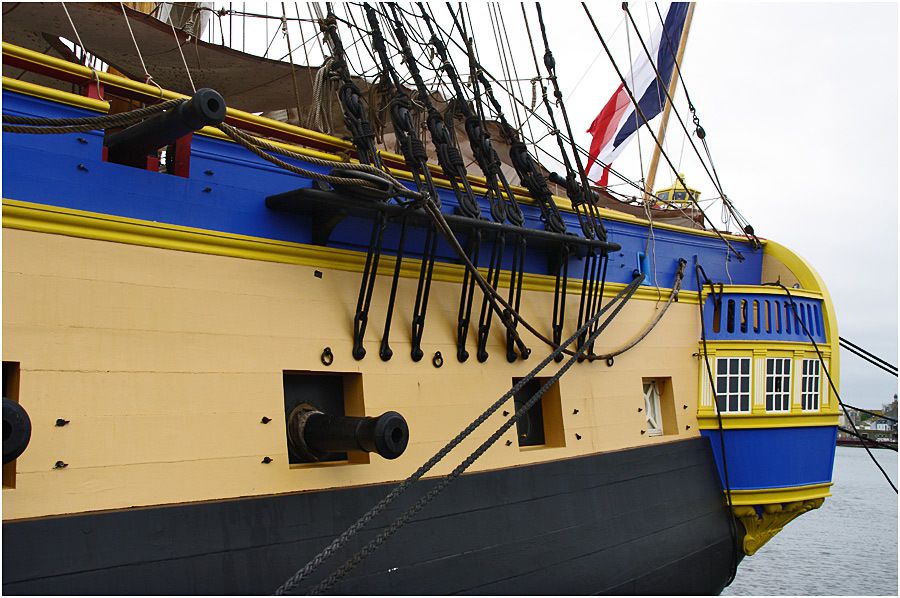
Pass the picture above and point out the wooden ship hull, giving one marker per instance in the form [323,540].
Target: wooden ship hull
[160,329]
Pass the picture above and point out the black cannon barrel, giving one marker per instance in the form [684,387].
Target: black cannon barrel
[131,146]
[16,430]
[317,433]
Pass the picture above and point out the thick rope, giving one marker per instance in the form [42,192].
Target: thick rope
[673,297]
[732,526]
[83,50]
[341,540]
[80,124]
[830,381]
[256,145]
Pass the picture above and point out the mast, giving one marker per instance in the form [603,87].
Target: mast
[673,85]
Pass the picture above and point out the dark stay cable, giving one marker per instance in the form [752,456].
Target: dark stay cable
[698,269]
[872,441]
[398,523]
[664,87]
[830,381]
[351,531]
[656,140]
[870,413]
[866,356]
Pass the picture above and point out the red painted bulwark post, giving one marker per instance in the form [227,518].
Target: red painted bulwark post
[182,163]
[94,90]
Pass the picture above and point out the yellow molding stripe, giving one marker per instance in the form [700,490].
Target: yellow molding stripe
[809,279]
[768,496]
[769,290]
[339,145]
[43,218]
[709,421]
[742,348]
[56,95]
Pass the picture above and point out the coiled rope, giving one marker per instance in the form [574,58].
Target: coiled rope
[293,582]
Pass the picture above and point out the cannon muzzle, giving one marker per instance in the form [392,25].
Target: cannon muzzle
[16,430]
[313,433]
[131,146]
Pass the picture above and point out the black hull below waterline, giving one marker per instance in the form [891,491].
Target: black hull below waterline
[650,520]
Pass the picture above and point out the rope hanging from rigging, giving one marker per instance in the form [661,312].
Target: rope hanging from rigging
[640,112]
[828,375]
[294,581]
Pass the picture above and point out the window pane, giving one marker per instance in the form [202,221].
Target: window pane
[745,402]
[732,403]
[733,366]
[745,366]
[745,384]
[721,366]
[769,406]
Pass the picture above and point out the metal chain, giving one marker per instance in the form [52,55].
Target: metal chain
[341,540]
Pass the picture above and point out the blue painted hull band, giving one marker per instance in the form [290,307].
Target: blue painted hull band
[775,457]
[227,187]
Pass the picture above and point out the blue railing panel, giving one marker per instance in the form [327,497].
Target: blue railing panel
[763,317]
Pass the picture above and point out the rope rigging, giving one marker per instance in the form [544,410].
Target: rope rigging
[517,101]
[701,283]
[637,107]
[815,345]
[451,160]
[57,126]
[745,226]
[873,442]
[416,159]
[497,185]
[869,357]
[577,188]
[294,581]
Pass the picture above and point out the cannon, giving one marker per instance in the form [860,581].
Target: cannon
[132,145]
[16,430]
[313,434]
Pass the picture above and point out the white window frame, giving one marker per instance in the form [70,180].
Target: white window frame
[652,413]
[778,384]
[811,385]
[734,380]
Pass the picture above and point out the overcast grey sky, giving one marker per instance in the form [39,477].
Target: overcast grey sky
[799,101]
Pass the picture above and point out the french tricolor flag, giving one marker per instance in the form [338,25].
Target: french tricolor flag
[619,121]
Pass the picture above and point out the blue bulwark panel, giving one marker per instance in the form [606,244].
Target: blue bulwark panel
[775,457]
[761,317]
[227,187]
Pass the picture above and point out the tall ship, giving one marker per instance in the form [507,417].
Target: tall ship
[288,326]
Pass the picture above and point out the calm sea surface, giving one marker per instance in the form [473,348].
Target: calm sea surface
[846,547]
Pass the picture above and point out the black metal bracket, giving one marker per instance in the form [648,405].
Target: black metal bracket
[328,208]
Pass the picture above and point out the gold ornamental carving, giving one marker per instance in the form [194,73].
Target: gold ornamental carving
[762,528]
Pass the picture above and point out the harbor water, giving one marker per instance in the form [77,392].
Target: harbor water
[846,547]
